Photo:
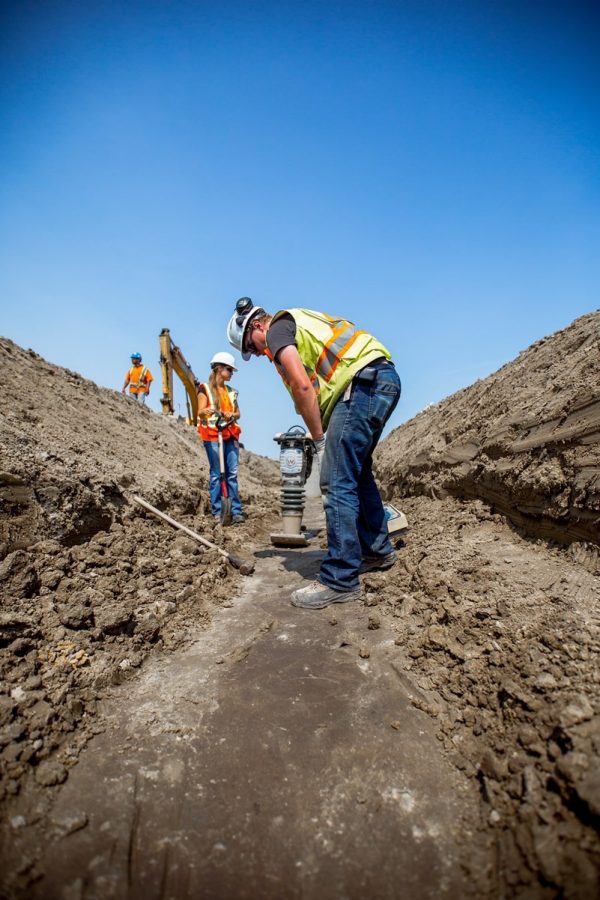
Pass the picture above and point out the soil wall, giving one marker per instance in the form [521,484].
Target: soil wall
[496,599]
[526,440]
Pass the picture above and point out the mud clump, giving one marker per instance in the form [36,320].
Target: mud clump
[89,583]
[495,601]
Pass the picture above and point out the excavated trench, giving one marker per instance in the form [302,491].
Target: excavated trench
[165,723]
[278,755]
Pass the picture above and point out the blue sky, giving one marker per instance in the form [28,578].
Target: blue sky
[426,169]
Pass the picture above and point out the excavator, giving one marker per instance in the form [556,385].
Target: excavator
[173,360]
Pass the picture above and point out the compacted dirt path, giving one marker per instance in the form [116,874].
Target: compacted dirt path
[277,756]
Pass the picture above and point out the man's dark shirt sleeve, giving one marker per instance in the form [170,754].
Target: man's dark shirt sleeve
[281,334]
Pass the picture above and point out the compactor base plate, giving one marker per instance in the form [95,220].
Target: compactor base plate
[289,540]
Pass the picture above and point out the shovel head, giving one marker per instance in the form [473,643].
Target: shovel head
[226,516]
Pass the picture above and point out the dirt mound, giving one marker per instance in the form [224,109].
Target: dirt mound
[89,584]
[526,440]
[500,628]
[72,451]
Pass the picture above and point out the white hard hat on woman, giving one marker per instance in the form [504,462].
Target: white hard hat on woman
[224,359]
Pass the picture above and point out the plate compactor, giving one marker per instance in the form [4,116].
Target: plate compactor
[295,465]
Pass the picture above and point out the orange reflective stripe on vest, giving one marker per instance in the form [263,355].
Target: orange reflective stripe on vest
[339,343]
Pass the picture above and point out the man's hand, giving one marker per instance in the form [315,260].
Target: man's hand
[319,445]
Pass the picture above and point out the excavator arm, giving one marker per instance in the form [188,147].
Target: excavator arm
[173,360]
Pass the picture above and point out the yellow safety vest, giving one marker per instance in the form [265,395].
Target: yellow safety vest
[333,351]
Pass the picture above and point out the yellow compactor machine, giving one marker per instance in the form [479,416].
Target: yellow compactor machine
[173,360]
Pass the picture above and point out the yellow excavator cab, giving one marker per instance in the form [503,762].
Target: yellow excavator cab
[173,360]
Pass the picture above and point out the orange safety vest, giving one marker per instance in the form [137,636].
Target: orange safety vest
[139,379]
[207,428]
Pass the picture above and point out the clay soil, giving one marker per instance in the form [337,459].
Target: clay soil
[490,617]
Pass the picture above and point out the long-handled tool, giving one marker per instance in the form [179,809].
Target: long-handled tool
[226,515]
[245,566]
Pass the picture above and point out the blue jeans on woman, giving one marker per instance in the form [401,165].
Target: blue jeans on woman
[231,452]
[356,522]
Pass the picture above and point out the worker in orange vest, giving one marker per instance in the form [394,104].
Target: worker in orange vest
[139,379]
[217,400]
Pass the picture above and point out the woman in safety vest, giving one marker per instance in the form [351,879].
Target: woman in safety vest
[343,382]
[217,404]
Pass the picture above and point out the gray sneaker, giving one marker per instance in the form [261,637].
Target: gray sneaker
[378,563]
[317,596]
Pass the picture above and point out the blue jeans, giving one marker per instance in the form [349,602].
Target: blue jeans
[231,452]
[356,523]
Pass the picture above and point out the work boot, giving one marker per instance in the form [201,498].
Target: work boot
[377,563]
[317,596]
[238,519]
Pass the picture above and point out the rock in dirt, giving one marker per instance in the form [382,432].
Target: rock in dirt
[49,773]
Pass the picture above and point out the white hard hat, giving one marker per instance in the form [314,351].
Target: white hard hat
[245,311]
[224,359]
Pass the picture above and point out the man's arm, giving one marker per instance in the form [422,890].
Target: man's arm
[302,390]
